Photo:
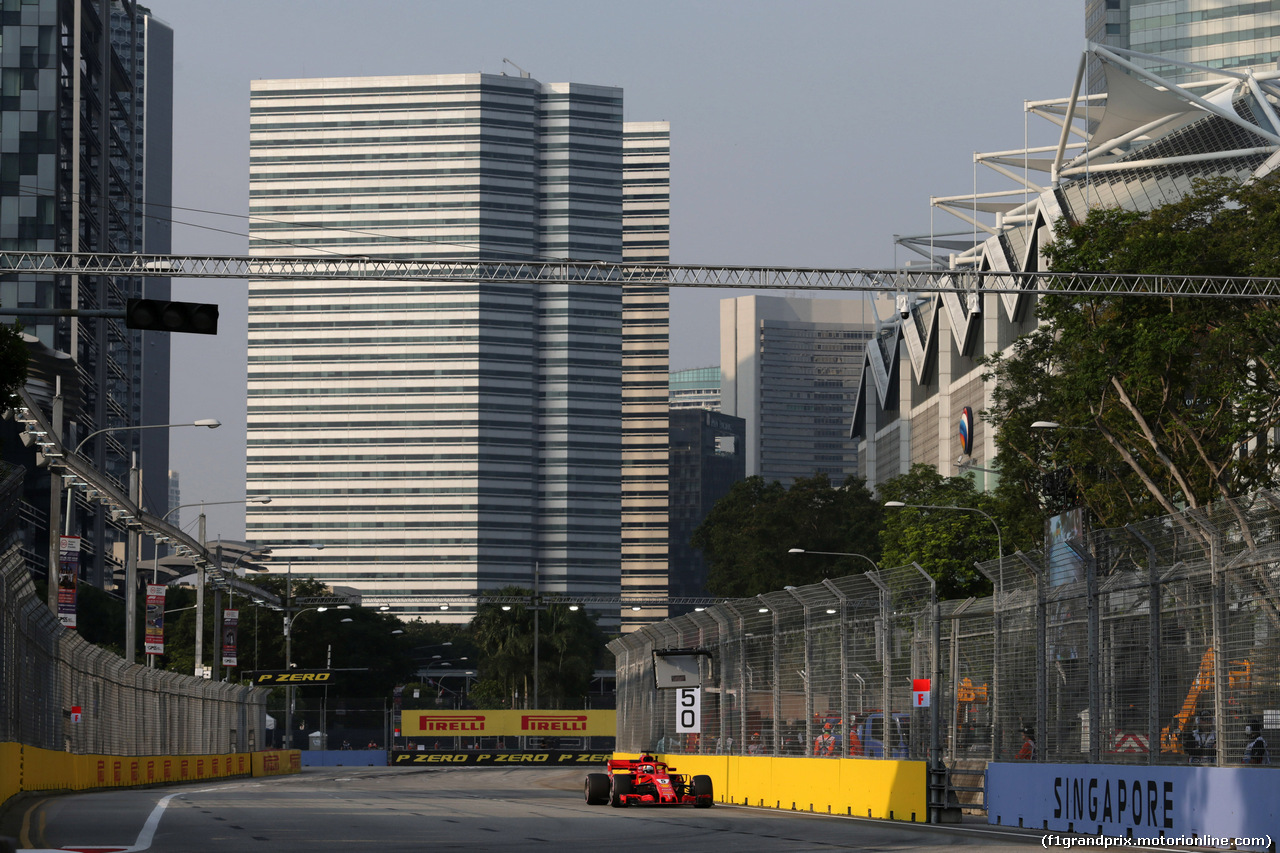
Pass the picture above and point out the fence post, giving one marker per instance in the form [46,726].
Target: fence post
[1042,633]
[722,643]
[1095,688]
[844,662]
[1153,641]
[997,649]
[883,642]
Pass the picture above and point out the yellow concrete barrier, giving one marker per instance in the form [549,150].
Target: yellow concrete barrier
[27,768]
[862,787]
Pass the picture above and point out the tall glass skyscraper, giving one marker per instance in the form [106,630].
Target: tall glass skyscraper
[443,438]
[1212,33]
[86,89]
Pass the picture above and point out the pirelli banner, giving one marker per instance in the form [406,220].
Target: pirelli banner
[482,724]
[498,758]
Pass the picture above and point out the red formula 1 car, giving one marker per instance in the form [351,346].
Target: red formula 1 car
[646,782]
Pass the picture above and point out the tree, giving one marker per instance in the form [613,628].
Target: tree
[748,533]
[569,648]
[1164,402]
[945,543]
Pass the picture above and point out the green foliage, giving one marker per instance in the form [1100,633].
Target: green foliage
[748,533]
[1162,400]
[569,647]
[945,542]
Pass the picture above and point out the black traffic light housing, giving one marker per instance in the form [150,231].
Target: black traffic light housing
[160,316]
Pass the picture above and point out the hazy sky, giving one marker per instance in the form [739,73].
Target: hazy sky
[803,132]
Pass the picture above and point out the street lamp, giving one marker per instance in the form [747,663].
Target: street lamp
[200,570]
[289,619]
[211,423]
[836,554]
[290,616]
[262,499]
[999,538]
[1056,425]
[935,741]
[135,495]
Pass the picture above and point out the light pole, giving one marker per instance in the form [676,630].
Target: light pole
[935,741]
[211,423]
[290,616]
[199,653]
[262,499]
[135,494]
[1056,425]
[999,538]
[289,619]
[836,554]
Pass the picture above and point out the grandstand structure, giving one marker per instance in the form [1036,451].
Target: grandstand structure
[1139,145]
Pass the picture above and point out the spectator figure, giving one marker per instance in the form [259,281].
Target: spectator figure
[753,746]
[1028,751]
[371,745]
[1200,742]
[825,743]
[1255,751]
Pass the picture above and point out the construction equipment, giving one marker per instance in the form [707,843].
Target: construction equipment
[1238,678]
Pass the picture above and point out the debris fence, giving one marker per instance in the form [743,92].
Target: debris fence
[1158,643]
[61,693]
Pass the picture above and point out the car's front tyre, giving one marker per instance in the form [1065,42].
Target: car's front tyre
[619,789]
[596,789]
[703,791]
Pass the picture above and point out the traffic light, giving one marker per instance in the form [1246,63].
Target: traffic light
[159,316]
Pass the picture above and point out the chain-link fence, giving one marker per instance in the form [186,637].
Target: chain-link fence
[47,670]
[1157,643]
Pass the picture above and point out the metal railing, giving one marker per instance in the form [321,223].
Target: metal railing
[1128,646]
[47,670]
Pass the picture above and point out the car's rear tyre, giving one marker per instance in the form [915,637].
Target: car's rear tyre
[597,789]
[619,789]
[703,791]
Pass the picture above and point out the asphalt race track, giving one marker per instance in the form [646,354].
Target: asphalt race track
[470,809]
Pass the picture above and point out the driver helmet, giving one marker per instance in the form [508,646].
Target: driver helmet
[646,768]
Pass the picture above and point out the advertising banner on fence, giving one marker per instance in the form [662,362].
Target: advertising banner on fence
[493,758]
[68,572]
[230,623]
[155,619]
[1143,801]
[509,723]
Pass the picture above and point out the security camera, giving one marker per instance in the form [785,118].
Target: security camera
[903,304]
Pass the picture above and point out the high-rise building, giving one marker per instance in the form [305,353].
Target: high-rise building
[646,238]
[695,388]
[1215,35]
[706,460]
[791,368]
[86,165]
[445,438]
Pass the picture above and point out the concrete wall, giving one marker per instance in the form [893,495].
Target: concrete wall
[29,768]
[862,787]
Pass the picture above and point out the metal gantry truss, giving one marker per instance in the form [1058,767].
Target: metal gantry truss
[900,282]
[340,268]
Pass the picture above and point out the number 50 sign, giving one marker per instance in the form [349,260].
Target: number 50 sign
[689,710]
